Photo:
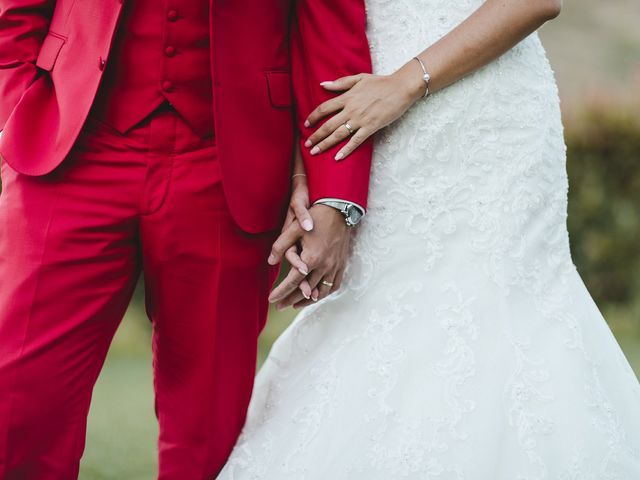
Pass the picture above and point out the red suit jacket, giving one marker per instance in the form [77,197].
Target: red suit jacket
[264,54]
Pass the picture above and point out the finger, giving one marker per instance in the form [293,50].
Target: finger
[337,283]
[315,295]
[325,287]
[327,129]
[334,139]
[286,239]
[287,286]
[300,208]
[305,289]
[303,303]
[291,300]
[344,83]
[296,262]
[308,301]
[327,108]
[355,141]
[314,280]
[288,220]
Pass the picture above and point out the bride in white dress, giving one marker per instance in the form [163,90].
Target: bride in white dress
[462,344]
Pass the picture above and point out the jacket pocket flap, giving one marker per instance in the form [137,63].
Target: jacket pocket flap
[49,51]
[279,85]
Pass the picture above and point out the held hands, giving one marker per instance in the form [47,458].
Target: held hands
[316,240]
[319,266]
[368,104]
[298,213]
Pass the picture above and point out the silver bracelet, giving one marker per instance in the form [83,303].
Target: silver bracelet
[426,77]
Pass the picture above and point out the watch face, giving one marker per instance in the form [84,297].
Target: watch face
[353,215]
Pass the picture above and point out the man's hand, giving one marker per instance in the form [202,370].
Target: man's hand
[324,252]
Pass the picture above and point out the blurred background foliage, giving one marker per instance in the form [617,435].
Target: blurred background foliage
[594,47]
[604,210]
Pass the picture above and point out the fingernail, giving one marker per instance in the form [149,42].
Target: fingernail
[272,259]
[326,84]
[307,225]
[308,142]
[315,150]
[303,271]
[305,295]
[315,299]
[307,123]
[339,156]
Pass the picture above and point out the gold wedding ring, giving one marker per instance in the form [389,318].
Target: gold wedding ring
[348,127]
[326,284]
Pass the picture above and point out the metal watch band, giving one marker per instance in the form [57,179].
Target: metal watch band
[344,208]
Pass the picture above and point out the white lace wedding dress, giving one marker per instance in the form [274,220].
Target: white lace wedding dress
[464,344]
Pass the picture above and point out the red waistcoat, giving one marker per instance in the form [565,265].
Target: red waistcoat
[264,54]
[160,52]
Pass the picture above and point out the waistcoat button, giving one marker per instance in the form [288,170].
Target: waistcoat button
[167,86]
[172,15]
[170,51]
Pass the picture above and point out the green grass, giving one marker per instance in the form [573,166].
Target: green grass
[122,428]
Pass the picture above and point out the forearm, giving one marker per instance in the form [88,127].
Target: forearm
[328,41]
[298,161]
[493,29]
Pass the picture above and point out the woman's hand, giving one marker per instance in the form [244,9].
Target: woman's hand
[368,104]
[372,102]
[298,212]
[299,203]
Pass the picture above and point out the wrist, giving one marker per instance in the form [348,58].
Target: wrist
[298,179]
[329,212]
[351,213]
[410,81]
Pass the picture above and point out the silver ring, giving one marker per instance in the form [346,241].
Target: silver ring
[326,284]
[348,127]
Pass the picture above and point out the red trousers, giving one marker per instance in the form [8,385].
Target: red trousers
[72,246]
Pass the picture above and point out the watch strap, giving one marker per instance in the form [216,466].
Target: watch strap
[344,208]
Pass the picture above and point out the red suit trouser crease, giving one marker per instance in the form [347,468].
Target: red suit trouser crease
[73,244]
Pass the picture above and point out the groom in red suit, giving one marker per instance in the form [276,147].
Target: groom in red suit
[156,137]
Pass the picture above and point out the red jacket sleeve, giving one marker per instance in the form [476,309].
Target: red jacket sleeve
[23,26]
[328,42]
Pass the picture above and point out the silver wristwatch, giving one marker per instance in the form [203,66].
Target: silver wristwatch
[352,213]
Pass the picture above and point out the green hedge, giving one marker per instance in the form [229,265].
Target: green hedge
[604,201]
